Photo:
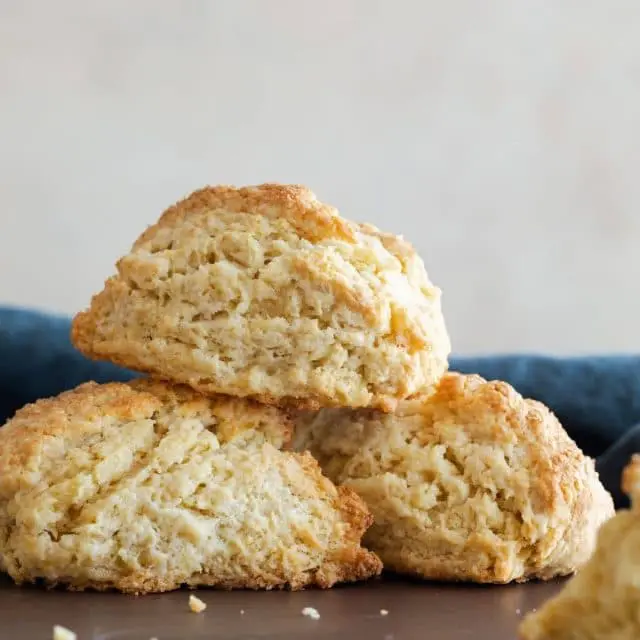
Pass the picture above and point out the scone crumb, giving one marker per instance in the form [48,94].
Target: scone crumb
[62,633]
[241,612]
[384,612]
[517,612]
[310,612]
[196,605]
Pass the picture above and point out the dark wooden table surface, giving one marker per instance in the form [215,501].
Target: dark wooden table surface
[415,610]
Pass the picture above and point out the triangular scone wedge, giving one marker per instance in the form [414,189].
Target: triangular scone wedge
[603,600]
[472,482]
[266,292]
[146,486]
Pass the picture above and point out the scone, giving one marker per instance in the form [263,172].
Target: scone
[265,292]
[145,487]
[472,482]
[603,600]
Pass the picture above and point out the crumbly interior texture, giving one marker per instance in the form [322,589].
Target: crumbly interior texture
[266,292]
[472,482]
[145,487]
[603,599]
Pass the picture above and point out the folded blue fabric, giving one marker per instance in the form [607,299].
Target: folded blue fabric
[596,398]
[37,360]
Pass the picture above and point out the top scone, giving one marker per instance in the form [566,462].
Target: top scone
[265,292]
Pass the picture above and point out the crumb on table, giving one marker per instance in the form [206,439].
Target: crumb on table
[196,605]
[384,612]
[310,612]
[62,633]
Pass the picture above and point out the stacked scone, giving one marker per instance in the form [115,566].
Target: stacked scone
[273,330]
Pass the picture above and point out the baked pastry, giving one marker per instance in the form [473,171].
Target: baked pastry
[265,292]
[145,487]
[472,482]
[603,599]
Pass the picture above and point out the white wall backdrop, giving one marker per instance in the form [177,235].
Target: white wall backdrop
[501,136]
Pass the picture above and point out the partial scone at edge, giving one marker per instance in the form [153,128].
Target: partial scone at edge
[603,599]
[471,483]
[146,487]
[265,292]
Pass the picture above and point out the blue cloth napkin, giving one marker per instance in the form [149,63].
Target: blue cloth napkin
[596,398]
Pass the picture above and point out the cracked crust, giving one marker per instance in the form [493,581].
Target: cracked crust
[472,482]
[603,599]
[265,292]
[146,487]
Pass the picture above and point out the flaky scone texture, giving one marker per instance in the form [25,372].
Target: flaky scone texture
[146,487]
[603,599]
[266,292]
[471,482]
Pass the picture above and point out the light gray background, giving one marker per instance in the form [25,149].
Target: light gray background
[501,136]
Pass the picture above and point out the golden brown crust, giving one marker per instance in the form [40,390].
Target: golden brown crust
[312,219]
[147,486]
[76,414]
[265,292]
[470,482]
